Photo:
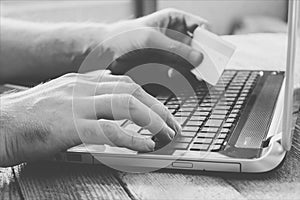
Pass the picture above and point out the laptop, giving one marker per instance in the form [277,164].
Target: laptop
[242,124]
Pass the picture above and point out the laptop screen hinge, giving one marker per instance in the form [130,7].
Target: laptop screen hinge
[271,139]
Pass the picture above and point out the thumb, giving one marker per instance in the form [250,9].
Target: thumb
[163,42]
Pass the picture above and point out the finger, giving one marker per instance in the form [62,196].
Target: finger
[90,76]
[124,106]
[161,41]
[100,76]
[192,21]
[138,92]
[108,132]
[98,72]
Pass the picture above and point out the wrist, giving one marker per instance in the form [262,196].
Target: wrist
[18,130]
[6,134]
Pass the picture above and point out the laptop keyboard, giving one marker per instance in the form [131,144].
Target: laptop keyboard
[208,117]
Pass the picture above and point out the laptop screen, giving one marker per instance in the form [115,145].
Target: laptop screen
[296,99]
[291,80]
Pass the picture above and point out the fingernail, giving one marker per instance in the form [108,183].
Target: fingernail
[196,58]
[151,145]
[171,133]
[177,126]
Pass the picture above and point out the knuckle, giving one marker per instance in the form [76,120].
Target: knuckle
[137,90]
[70,75]
[149,36]
[126,79]
[170,10]
[164,108]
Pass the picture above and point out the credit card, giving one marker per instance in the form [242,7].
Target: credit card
[216,55]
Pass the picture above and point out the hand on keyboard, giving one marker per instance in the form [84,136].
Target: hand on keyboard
[71,109]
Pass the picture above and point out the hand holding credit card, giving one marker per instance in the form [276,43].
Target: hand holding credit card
[216,52]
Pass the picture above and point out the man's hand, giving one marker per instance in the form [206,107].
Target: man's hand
[169,30]
[75,108]
[45,51]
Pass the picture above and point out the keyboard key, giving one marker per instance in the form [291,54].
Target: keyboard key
[220,112]
[185,109]
[185,114]
[236,84]
[225,103]
[233,91]
[222,136]
[239,103]
[234,88]
[232,115]
[201,113]
[235,111]
[189,105]
[180,120]
[133,127]
[225,130]
[211,101]
[227,125]
[206,135]
[172,103]
[241,98]
[199,147]
[203,140]
[197,118]
[218,141]
[230,95]
[188,134]
[209,129]
[184,139]
[180,145]
[174,106]
[162,98]
[230,120]
[194,123]
[190,128]
[237,107]
[203,104]
[213,123]
[228,99]
[215,147]
[218,117]
[245,90]
[222,107]
[204,109]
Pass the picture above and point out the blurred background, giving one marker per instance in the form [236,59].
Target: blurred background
[225,17]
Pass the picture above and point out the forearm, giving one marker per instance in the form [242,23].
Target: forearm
[33,52]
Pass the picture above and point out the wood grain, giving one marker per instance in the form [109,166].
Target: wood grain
[68,181]
[8,186]
[172,185]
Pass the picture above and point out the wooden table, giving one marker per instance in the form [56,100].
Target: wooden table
[71,181]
